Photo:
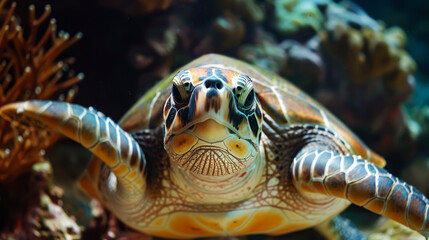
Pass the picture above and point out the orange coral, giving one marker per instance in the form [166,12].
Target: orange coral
[29,70]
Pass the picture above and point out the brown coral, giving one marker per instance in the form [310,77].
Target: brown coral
[33,210]
[29,70]
[367,54]
[378,73]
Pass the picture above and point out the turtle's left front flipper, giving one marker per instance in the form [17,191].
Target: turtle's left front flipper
[362,183]
[99,134]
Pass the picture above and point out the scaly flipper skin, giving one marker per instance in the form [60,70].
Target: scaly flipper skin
[362,183]
[115,147]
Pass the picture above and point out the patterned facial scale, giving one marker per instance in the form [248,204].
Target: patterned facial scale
[212,121]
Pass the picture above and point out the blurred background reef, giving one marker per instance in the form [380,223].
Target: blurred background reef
[364,60]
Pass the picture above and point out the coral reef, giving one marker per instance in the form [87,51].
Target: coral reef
[368,55]
[388,229]
[247,9]
[265,53]
[231,30]
[291,16]
[304,64]
[104,225]
[29,70]
[379,78]
[33,210]
[30,203]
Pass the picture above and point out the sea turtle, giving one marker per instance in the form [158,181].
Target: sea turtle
[221,147]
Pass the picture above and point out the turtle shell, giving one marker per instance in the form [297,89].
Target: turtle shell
[280,99]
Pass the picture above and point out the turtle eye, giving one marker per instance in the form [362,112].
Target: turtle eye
[244,92]
[249,99]
[245,97]
[181,89]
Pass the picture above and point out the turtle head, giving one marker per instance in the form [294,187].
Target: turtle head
[212,122]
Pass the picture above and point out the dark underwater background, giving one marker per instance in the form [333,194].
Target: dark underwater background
[128,46]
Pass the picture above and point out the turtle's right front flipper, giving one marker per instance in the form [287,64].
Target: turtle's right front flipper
[362,183]
[103,137]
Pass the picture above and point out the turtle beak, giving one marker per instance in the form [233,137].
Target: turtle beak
[208,98]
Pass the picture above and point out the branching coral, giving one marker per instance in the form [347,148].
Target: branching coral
[29,70]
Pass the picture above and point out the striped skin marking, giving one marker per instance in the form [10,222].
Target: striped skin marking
[116,148]
[182,86]
[362,183]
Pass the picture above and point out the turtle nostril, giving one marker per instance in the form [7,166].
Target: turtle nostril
[213,84]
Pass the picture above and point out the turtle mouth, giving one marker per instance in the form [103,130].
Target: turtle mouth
[210,160]
[210,149]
